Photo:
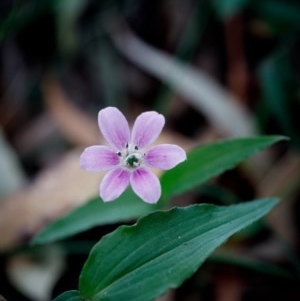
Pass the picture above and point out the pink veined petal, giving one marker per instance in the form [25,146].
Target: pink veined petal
[146,185]
[114,127]
[165,156]
[147,128]
[113,184]
[98,158]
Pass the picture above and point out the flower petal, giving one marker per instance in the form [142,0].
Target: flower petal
[114,127]
[165,156]
[113,184]
[147,128]
[98,158]
[146,185]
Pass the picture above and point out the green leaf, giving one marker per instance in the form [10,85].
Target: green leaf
[228,8]
[141,262]
[210,160]
[94,213]
[69,296]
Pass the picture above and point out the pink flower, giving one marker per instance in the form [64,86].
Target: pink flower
[127,158]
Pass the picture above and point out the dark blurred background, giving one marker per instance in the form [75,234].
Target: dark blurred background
[215,69]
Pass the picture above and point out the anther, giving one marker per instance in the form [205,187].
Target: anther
[136,148]
[119,154]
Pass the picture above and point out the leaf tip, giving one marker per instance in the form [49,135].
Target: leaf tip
[281,138]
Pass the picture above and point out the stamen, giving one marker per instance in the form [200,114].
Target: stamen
[136,148]
[119,154]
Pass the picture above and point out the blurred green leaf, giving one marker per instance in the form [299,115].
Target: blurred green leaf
[68,13]
[281,16]
[253,264]
[222,195]
[141,262]
[22,14]
[210,160]
[69,296]
[7,21]
[109,73]
[228,8]
[279,90]
[94,213]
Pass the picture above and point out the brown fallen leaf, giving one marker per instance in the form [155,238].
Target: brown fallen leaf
[55,191]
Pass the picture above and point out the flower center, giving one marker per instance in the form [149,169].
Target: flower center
[131,157]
